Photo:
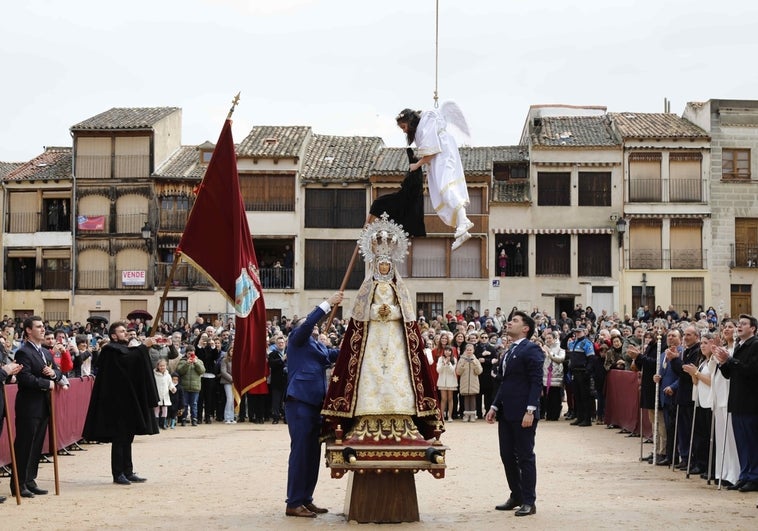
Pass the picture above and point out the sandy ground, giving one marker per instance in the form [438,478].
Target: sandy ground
[234,477]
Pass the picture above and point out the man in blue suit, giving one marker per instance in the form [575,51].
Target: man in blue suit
[516,408]
[307,361]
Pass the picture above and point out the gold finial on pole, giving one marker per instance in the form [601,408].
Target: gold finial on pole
[235,101]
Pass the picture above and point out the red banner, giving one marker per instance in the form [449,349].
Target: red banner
[90,222]
[217,242]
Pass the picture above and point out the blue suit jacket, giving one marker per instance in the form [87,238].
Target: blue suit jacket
[307,361]
[521,383]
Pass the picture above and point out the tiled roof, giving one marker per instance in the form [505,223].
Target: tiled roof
[340,158]
[53,164]
[475,160]
[655,125]
[574,131]
[7,167]
[184,164]
[125,118]
[268,141]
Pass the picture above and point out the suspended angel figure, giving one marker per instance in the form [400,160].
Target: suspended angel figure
[437,149]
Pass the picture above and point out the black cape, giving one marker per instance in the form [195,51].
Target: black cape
[124,395]
[405,207]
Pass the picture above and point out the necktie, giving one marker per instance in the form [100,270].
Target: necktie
[507,356]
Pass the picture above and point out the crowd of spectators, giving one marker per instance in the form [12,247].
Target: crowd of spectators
[581,347]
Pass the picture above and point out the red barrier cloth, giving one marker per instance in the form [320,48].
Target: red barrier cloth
[70,411]
[622,402]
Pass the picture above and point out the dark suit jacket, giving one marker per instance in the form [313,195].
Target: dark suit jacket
[742,371]
[521,383]
[33,388]
[691,355]
[307,361]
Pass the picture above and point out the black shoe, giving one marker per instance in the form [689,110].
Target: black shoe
[34,489]
[208,421]
[749,486]
[682,465]
[526,510]
[696,470]
[584,424]
[275,421]
[120,480]
[194,422]
[575,423]
[509,505]
[663,462]
[134,478]
[704,476]
[737,486]
[725,483]
[2,499]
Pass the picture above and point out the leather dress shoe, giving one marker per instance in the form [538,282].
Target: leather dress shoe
[749,486]
[2,499]
[575,423]
[134,478]
[315,509]
[526,510]
[26,493]
[697,470]
[737,486]
[300,511]
[509,505]
[121,480]
[663,462]
[34,489]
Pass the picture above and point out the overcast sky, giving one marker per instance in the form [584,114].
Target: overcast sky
[347,67]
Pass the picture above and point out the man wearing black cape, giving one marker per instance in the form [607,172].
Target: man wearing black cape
[122,401]
[406,207]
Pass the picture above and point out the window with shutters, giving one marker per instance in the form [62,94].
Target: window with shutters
[735,164]
[594,188]
[268,192]
[326,262]
[554,188]
[335,208]
[746,242]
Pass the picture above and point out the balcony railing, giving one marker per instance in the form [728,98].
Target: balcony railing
[184,276]
[510,191]
[281,205]
[130,223]
[107,166]
[651,190]
[93,279]
[666,259]
[56,279]
[173,219]
[745,255]
[645,190]
[277,277]
[685,191]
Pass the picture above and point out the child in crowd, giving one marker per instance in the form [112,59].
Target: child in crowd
[165,387]
[176,409]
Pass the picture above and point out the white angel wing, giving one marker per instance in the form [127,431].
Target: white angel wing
[453,115]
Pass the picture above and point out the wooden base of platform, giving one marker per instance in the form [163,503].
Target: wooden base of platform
[387,497]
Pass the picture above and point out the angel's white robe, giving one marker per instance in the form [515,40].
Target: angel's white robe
[447,183]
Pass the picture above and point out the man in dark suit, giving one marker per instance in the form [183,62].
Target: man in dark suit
[516,407]
[691,355]
[742,371]
[35,382]
[307,361]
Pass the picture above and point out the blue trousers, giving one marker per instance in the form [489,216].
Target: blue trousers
[746,437]
[304,425]
[517,454]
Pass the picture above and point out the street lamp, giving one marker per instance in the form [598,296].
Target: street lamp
[621,230]
[147,235]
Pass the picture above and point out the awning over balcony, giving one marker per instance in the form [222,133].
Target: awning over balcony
[598,230]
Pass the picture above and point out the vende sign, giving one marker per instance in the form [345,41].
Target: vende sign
[133,278]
